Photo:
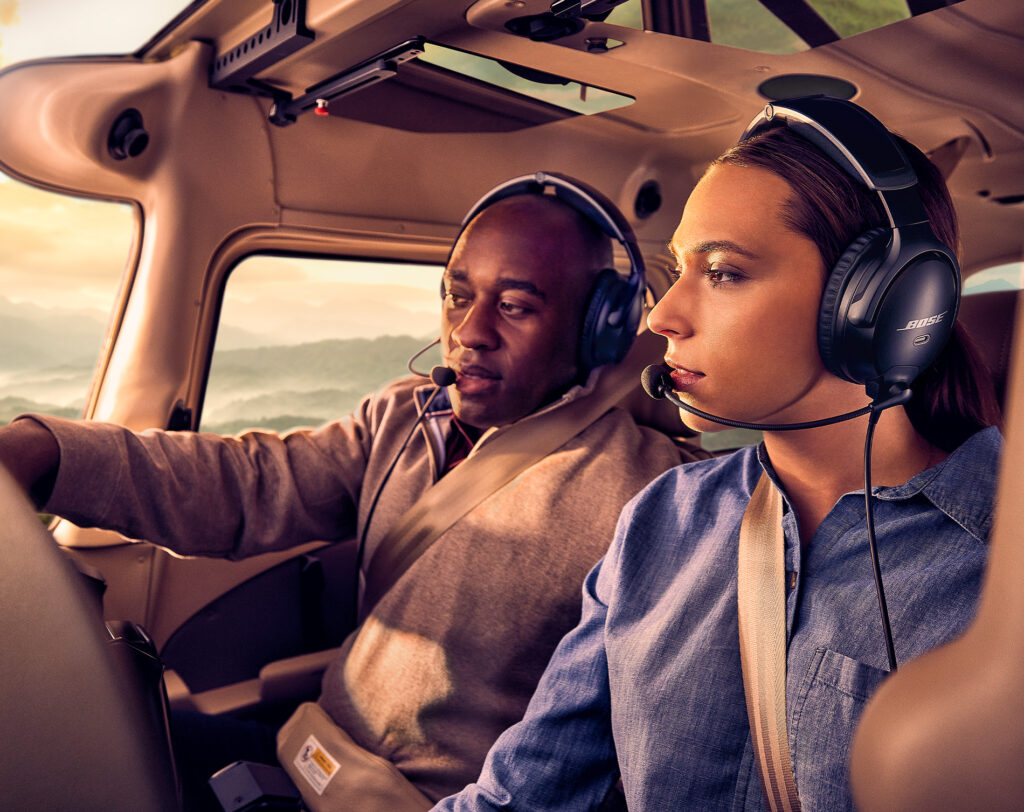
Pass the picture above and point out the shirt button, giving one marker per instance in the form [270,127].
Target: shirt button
[791,580]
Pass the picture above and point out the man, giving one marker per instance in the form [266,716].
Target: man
[449,655]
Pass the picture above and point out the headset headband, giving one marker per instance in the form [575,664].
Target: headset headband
[588,202]
[867,150]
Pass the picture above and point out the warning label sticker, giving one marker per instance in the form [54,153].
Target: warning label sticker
[316,765]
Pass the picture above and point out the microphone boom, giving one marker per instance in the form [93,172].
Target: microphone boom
[658,385]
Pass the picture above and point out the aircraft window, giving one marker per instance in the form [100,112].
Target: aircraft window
[31,29]
[61,262]
[301,341]
[789,27]
[535,84]
[999,277]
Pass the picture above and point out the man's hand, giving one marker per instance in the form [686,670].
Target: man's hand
[31,455]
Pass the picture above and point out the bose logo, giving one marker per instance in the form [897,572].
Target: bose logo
[913,324]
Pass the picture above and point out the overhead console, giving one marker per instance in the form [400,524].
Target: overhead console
[435,88]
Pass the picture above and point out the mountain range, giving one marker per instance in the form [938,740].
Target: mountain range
[304,385]
[47,359]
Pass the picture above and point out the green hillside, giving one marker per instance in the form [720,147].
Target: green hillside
[285,387]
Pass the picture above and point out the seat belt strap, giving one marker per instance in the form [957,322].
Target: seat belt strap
[497,462]
[761,605]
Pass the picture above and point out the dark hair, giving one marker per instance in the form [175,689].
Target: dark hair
[954,397]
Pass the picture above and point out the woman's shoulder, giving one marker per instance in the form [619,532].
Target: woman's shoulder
[695,483]
[964,485]
[690,511]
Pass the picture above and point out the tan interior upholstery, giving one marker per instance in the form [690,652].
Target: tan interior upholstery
[989,319]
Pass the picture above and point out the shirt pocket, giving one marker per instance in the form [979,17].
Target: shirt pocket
[829,702]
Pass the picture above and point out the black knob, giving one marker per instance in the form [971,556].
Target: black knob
[128,138]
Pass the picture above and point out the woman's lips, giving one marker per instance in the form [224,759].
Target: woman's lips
[684,378]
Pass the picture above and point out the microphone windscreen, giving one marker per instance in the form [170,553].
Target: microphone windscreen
[442,376]
[652,380]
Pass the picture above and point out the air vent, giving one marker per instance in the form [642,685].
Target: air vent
[793,85]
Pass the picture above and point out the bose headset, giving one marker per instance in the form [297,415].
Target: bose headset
[890,302]
[615,305]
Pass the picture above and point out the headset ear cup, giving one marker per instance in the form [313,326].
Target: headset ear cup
[830,327]
[610,321]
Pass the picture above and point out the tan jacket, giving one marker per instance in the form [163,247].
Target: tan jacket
[450,656]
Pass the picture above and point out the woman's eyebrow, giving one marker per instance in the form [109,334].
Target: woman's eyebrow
[711,246]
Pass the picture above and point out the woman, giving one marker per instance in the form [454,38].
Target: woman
[649,684]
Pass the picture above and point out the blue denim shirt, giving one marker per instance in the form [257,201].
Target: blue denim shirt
[649,683]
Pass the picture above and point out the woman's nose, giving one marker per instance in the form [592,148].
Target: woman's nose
[672,316]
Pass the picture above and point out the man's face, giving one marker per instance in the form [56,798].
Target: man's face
[514,294]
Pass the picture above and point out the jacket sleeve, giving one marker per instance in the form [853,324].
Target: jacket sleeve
[203,494]
[561,756]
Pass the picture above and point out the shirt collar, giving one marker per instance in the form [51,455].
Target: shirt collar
[953,486]
[439,405]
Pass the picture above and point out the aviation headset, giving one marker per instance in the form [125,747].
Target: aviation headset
[890,302]
[615,304]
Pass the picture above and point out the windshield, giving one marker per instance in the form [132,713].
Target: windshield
[777,27]
[41,28]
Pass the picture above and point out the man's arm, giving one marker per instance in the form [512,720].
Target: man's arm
[198,493]
[203,494]
[31,454]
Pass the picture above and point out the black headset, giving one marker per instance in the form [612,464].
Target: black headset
[890,302]
[616,302]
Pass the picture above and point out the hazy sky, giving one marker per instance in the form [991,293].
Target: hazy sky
[34,28]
